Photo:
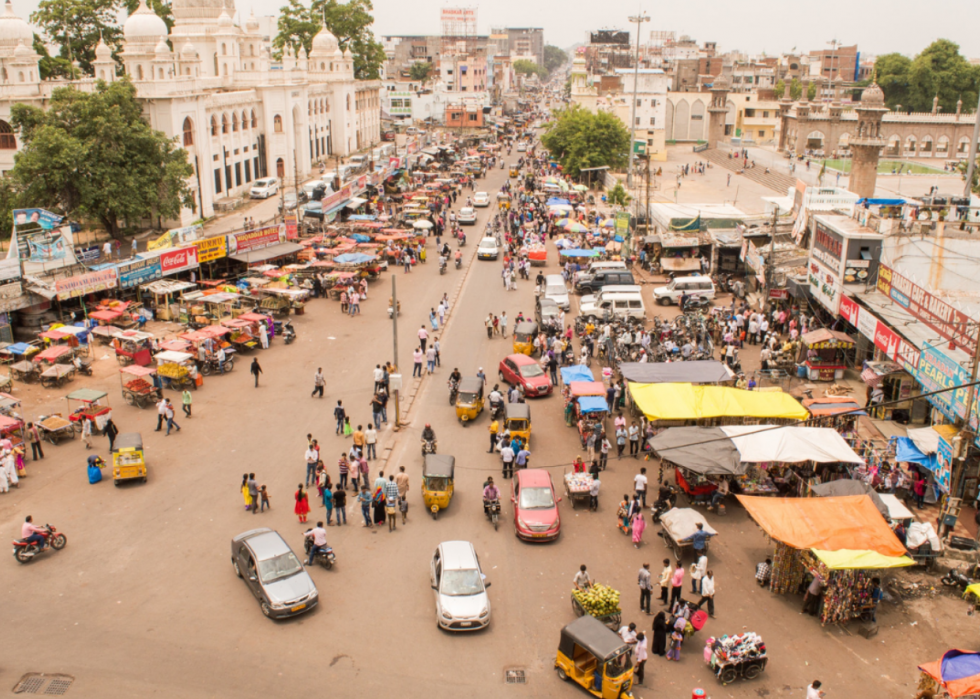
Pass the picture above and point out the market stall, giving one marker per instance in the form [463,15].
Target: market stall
[137,387]
[825,354]
[896,385]
[682,404]
[691,372]
[176,370]
[165,298]
[132,347]
[89,406]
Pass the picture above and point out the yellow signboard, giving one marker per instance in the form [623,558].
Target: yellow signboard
[164,241]
[210,249]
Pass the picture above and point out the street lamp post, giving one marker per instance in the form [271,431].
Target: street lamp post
[638,20]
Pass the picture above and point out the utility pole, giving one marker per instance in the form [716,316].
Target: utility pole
[770,268]
[646,226]
[971,162]
[394,339]
[638,20]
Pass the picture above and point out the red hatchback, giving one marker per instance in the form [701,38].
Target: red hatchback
[535,505]
[521,370]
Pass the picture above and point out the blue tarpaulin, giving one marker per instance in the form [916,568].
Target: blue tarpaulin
[362,217]
[556,201]
[576,373]
[20,348]
[580,253]
[618,238]
[905,450]
[592,404]
[360,237]
[880,202]
[353,258]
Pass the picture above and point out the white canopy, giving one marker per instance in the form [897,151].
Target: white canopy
[172,356]
[790,444]
[896,509]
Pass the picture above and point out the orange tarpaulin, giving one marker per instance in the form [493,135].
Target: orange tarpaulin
[830,524]
[958,672]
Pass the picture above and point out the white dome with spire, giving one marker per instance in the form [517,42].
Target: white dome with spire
[13,29]
[224,20]
[252,23]
[188,52]
[22,52]
[144,26]
[324,43]
[102,51]
[162,50]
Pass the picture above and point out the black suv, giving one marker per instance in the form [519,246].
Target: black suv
[604,277]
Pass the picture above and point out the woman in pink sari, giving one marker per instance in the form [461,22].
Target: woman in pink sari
[639,524]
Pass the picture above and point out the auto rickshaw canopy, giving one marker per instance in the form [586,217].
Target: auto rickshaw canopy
[518,411]
[472,385]
[439,466]
[526,328]
[592,635]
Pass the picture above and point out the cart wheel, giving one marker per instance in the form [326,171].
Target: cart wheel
[728,675]
[131,399]
[752,671]
[561,674]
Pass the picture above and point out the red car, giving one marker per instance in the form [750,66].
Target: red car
[535,505]
[523,371]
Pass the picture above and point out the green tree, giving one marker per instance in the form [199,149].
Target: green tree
[93,155]
[581,139]
[618,195]
[350,22]
[974,186]
[523,66]
[795,89]
[939,71]
[892,74]
[420,72]
[77,25]
[811,91]
[554,58]
[51,66]
[779,89]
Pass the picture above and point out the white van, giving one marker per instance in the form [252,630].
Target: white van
[264,188]
[696,285]
[620,301]
[555,289]
[358,162]
[308,187]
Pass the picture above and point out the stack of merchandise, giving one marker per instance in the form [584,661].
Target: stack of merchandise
[733,650]
[598,601]
[847,595]
[578,482]
[787,570]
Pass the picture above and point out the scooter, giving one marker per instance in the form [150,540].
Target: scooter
[459,262]
[453,392]
[957,577]
[25,552]
[442,267]
[663,505]
[325,557]
[288,334]
[429,446]
[492,509]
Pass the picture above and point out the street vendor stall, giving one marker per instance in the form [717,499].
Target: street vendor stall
[57,375]
[279,301]
[90,406]
[205,308]
[838,541]
[957,673]
[137,387]
[680,404]
[132,347]
[12,428]
[577,372]
[176,370]
[825,354]
[103,334]
[694,372]
[53,428]
[681,523]
[577,487]
[164,296]
[25,370]
[243,336]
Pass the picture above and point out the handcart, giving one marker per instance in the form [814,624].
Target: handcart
[742,655]
[678,524]
[54,428]
[57,375]
[90,408]
[25,370]
[132,347]
[103,334]
[577,487]
[137,387]
[176,369]
[612,618]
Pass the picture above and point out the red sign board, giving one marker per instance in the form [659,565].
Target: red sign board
[779,293]
[336,198]
[172,261]
[849,310]
[257,239]
[949,322]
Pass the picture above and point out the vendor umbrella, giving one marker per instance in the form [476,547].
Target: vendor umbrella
[574,227]
[422,225]
[958,672]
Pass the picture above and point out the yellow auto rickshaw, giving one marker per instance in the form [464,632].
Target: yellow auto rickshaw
[515,170]
[437,482]
[503,201]
[593,656]
[524,335]
[469,399]
[127,458]
[517,420]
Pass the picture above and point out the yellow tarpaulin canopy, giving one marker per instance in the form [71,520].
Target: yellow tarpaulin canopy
[974,588]
[846,558]
[684,401]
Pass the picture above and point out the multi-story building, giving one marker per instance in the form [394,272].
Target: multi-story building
[524,42]
[756,120]
[829,63]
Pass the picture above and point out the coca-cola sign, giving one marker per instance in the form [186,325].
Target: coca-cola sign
[179,259]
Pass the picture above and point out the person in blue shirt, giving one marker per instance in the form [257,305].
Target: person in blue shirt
[522,456]
[699,539]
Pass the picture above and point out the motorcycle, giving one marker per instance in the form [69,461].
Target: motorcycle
[210,366]
[496,409]
[453,392]
[492,510]
[442,267]
[664,504]
[325,557]
[429,446]
[390,308]
[288,334]
[462,239]
[25,552]
[459,262]
[957,577]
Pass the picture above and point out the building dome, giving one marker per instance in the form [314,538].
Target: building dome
[23,53]
[224,20]
[252,23]
[13,29]
[873,96]
[102,51]
[144,26]
[162,51]
[188,52]
[324,42]
[721,83]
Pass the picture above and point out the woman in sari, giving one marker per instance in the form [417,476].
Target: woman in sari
[639,524]
[378,504]
[302,508]
[244,489]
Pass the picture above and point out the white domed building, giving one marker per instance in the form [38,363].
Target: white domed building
[211,84]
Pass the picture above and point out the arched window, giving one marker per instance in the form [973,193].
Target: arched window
[139,74]
[225,69]
[224,123]
[323,66]
[8,141]
[323,109]
[214,126]
[161,73]
[255,122]
[348,103]
[224,50]
[251,49]
[280,167]
[244,120]
[277,123]
[188,132]
[234,122]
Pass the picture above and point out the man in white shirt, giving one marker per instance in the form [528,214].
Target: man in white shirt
[312,456]
[708,592]
[161,413]
[640,485]
[507,457]
[813,691]
[318,383]
[698,571]
[582,579]
[628,634]
[319,536]
[594,495]
[379,377]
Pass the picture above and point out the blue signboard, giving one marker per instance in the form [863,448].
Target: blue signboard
[936,372]
[944,457]
[139,272]
[45,219]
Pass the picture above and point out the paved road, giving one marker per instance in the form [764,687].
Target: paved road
[143,601]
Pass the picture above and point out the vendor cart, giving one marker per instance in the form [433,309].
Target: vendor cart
[54,428]
[103,334]
[137,387]
[90,407]
[741,655]
[243,335]
[612,619]
[57,375]
[577,487]
[678,524]
[6,383]
[132,347]
[176,369]
[697,489]
[25,370]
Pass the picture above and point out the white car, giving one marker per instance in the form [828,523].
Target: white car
[481,199]
[263,189]
[521,148]
[466,216]
[487,249]
[462,603]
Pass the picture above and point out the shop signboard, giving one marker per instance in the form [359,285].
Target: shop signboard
[849,310]
[187,234]
[45,219]
[161,243]
[211,249]
[944,457]
[82,284]
[824,285]
[951,323]
[937,372]
[336,198]
[178,260]
[779,293]
[257,239]
[139,272]
[828,246]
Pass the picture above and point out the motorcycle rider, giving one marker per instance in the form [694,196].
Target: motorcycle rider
[459,258]
[496,398]
[490,493]
[442,262]
[319,536]
[32,534]
[429,434]
[445,250]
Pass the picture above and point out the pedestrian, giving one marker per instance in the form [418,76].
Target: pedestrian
[186,401]
[327,497]
[264,497]
[813,691]
[665,575]
[319,381]
[594,492]
[340,504]
[87,432]
[708,592]
[357,440]
[111,431]
[604,452]
[763,571]
[646,588]
[344,468]
[640,656]
[244,491]
[370,441]
[403,482]
[638,526]
[340,415]
[376,408]
[430,359]
[171,423]
[34,437]
[255,370]
[391,503]
[640,486]
[417,356]
[620,442]
[423,337]
[507,459]
[403,508]
[699,539]
[302,508]
[698,570]
[161,412]
[253,492]
[379,374]
[312,456]
[919,490]
[659,646]
[676,585]
[437,347]
[676,639]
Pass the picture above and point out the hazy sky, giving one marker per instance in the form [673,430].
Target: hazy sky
[876,26]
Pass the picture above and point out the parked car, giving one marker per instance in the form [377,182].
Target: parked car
[487,249]
[273,573]
[521,370]
[481,199]
[462,603]
[604,277]
[265,188]
[466,216]
[695,285]
[388,136]
[536,515]
[289,202]
[555,289]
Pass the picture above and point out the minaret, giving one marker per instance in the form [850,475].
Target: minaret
[103,65]
[718,111]
[784,106]
[866,148]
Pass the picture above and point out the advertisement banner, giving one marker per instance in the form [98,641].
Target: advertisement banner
[45,219]
[622,222]
[779,293]
[936,372]
[944,455]
[87,256]
[187,234]
[73,287]
[336,198]
[257,239]
[945,319]
[824,286]
[139,272]
[46,252]
[849,310]
[174,261]
[867,324]
[211,249]
[161,243]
